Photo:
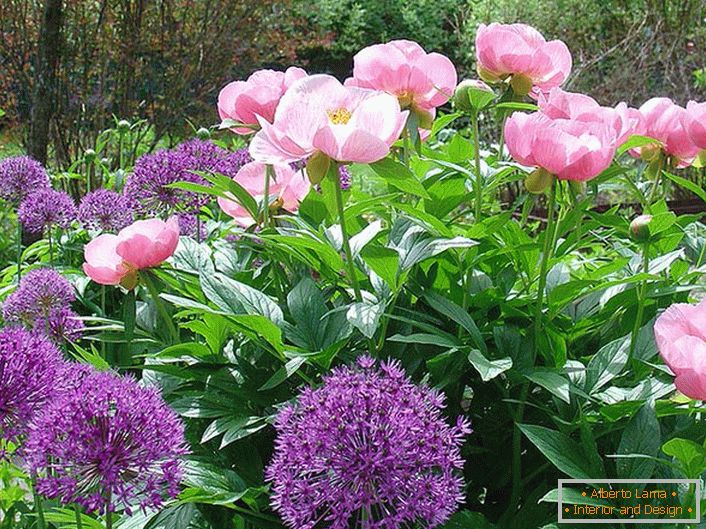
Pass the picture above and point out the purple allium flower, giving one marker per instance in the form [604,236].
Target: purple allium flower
[30,368]
[63,324]
[344,174]
[45,209]
[233,162]
[105,210]
[20,176]
[107,443]
[188,224]
[367,445]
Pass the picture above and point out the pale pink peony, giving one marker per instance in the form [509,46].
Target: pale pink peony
[569,149]
[695,123]
[664,121]
[287,190]
[319,114]
[419,80]
[560,104]
[115,259]
[680,333]
[504,50]
[243,101]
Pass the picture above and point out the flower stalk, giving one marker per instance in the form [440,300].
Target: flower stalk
[350,264]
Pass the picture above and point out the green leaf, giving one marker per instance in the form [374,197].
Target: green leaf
[564,453]
[607,363]
[488,369]
[641,436]
[687,184]
[443,121]
[234,297]
[426,339]
[636,141]
[365,317]
[384,262]
[691,456]
[399,176]
[208,483]
[553,382]
[129,314]
[452,311]
[571,497]
[467,520]
[517,105]
[283,373]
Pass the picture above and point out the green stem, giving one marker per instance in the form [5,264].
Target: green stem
[19,252]
[266,199]
[333,174]
[108,514]
[405,145]
[161,308]
[79,521]
[41,522]
[120,150]
[51,249]
[653,191]
[641,291]
[479,176]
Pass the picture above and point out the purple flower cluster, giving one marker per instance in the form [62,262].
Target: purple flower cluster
[30,368]
[105,210]
[147,186]
[42,302]
[188,226]
[45,209]
[107,443]
[21,176]
[368,449]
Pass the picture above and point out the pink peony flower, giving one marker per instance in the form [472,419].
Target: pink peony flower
[664,121]
[243,101]
[559,104]
[289,187]
[567,148]
[319,114]
[115,259]
[419,80]
[680,333]
[694,121]
[504,50]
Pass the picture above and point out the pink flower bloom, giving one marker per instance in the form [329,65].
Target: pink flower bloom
[664,121]
[243,101]
[503,50]
[289,187]
[115,259]
[419,80]
[559,104]
[680,333]
[319,114]
[695,123]
[569,149]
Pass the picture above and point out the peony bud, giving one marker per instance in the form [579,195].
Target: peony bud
[123,126]
[521,84]
[538,180]
[472,95]
[640,228]
[203,133]
[317,166]
[89,156]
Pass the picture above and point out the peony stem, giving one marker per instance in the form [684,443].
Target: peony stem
[266,199]
[333,174]
[641,292]
[166,318]
[479,176]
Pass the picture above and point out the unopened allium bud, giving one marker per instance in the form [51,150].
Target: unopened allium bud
[123,126]
[640,228]
[472,94]
[89,156]
[203,133]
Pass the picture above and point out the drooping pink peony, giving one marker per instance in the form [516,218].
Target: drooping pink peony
[695,123]
[115,259]
[287,190]
[504,50]
[664,121]
[319,114]
[243,101]
[680,333]
[569,149]
[419,80]
[560,104]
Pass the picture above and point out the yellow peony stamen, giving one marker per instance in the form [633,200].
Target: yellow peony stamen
[339,116]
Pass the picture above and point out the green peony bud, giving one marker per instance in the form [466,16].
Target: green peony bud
[89,156]
[472,95]
[538,181]
[640,228]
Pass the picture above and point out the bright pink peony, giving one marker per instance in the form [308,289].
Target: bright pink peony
[243,101]
[504,50]
[289,187]
[115,259]
[419,80]
[664,121]
[559,104]
[569,149]
[680,333]
[319,114]
[695,123]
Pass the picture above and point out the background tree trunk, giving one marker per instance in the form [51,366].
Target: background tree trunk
[44,92]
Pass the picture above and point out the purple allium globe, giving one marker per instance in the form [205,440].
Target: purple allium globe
[105,210]
[107,443]
[233,162]
[62,325]
[368,449]
[30,370]
[188,226]
[21,176]
[45,209]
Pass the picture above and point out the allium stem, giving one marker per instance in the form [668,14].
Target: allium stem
[51,248]
[350,264]
[79,521]
[19,251]
[39,509]
[479,176]
[641,292]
